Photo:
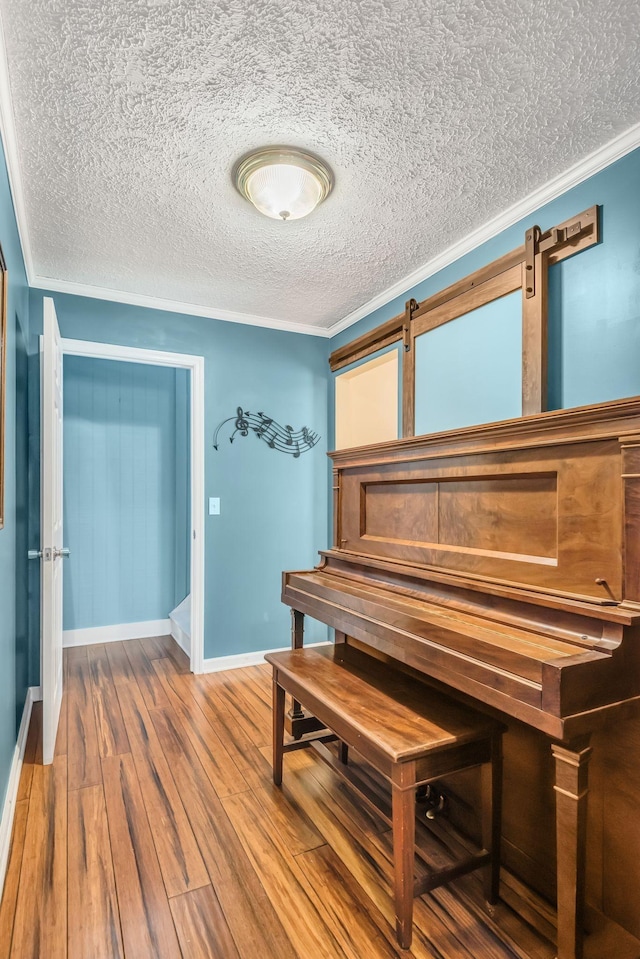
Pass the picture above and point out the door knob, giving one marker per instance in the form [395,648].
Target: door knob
[48,553]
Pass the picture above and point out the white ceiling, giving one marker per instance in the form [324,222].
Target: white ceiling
[435,115]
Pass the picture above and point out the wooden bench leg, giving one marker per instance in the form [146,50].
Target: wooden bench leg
[492,819]
[343,753]
[278,729]
[403,801]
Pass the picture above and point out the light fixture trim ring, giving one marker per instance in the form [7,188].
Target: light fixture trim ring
[267,156]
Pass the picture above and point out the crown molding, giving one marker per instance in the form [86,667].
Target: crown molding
[50,285]
[591,164]
[10,144]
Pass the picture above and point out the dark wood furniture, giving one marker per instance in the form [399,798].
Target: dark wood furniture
[526,269]
[503,562]
[410,734]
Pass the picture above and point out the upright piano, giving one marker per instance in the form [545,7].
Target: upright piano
[502,562]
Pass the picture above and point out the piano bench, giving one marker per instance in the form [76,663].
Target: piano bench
[411,734]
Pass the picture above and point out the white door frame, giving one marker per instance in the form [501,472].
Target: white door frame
[195,364]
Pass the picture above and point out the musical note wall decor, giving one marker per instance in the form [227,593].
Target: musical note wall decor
[282,438]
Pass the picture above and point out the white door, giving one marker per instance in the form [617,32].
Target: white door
[51,529]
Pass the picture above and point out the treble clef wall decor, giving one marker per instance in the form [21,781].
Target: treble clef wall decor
[282,438]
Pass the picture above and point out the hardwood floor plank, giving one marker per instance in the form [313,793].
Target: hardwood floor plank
[62,736]
[180,861]
[165,647]
[369,860]
[150,686]
[252,918]
[30,752]
[154,646]
[40,927]
[121,669]
[478,938]
[112,735]
[275,874]
[342,792]
[218,764]
[360,855]
[349,910]
[282,881]
[248,710]
[145,917]
[12,877]
[82,749]
[296,830]
[255,769]
[260,676]
[94,920]
[181,661]
[201,925]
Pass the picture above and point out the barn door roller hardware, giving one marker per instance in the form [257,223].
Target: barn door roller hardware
[570,232]
[410,308]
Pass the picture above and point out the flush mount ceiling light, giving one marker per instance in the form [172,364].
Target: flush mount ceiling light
[283,182]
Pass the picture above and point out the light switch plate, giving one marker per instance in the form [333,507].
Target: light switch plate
[214,506]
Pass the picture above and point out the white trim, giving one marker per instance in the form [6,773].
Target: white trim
[596,161]
[196,404]
[195,364]
[181,638]
[50,284]
[113,634]
[220,663]
[593,163]
[10,144]
[9,807]
[127,354]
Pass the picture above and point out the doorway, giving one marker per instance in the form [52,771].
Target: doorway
[188,617]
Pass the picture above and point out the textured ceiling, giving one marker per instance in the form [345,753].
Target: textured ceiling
[435,116]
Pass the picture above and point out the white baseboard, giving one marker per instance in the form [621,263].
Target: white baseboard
[219,663]
[182,639]
[112,634]
[9,808]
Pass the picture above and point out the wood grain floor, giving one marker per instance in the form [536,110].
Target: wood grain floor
[157,833]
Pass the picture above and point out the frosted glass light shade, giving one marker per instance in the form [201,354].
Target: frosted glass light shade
[282,182]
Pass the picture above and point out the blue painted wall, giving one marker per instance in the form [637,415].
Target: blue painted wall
[273,507]
[14,650]
[594,297]
[122,517]
[470,369]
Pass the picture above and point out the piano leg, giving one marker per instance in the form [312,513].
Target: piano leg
[491,779]
[403,803]
[571,787]
[299,722]
[296,713]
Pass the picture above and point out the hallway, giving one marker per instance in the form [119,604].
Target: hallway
[157,833]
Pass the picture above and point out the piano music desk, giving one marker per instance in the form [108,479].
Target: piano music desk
[411,734]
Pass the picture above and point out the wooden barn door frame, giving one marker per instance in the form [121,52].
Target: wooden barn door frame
[524,268]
